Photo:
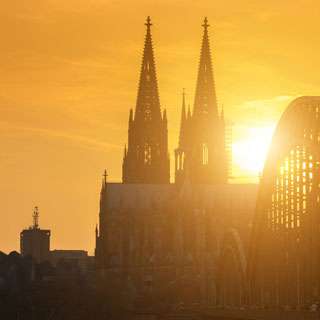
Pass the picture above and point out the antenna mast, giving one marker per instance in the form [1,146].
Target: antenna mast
[36,218]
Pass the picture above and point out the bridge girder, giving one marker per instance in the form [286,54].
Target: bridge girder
[284,255]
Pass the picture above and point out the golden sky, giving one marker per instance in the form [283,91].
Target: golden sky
[68,76]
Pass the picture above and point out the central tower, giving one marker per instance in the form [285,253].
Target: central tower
[202,153]
[146,160]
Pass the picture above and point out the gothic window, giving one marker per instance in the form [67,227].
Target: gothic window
[147,113]
[205,154]
[147,154]
[181,159]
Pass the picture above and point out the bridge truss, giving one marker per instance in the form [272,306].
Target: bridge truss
[284,256]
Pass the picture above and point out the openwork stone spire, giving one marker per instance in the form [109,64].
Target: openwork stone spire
[205,98]
[201,150]
[146,159]
[148,102]
[183,120]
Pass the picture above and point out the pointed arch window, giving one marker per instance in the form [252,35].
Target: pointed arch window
[180,160]
[147,154]
[147,113]
[205,154]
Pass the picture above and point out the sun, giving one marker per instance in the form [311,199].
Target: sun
[249,152]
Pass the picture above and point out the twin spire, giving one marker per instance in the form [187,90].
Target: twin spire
[185,116]
[201,152]
[146,156]
[205,97]
[148,102]
[205,102]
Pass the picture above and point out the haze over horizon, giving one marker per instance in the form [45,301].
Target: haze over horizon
[69,75]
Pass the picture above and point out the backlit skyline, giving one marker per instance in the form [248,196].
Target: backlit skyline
[69,76]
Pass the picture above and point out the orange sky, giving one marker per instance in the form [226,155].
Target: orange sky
[68,76]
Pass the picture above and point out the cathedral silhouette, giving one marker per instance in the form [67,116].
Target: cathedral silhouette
[202,132]
[160,240]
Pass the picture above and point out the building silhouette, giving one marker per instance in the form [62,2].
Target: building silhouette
[202,142]
[146,160]
[35,242]
[157,240]
[201,241]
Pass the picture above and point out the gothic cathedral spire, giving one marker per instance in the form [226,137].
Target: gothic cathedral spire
[148,103]
[183,120]
[205,97]
[204,154]
[147,158]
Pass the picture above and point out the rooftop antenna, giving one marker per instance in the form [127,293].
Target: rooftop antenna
[35,218]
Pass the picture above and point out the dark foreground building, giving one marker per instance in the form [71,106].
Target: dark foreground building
[170,243]
[182,244]
[34,241]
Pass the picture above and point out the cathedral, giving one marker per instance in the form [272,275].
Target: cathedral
[182,242]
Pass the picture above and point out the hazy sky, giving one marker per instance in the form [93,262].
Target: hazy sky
[68,76]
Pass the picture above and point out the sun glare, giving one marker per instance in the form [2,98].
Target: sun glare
[249,153]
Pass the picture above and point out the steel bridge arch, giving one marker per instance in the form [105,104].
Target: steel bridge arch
[284,255]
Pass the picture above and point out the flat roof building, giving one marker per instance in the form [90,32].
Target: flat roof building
[35,242]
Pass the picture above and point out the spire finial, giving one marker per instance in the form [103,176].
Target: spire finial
[148,24]
[205,24]
[183,98]
[105,175]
